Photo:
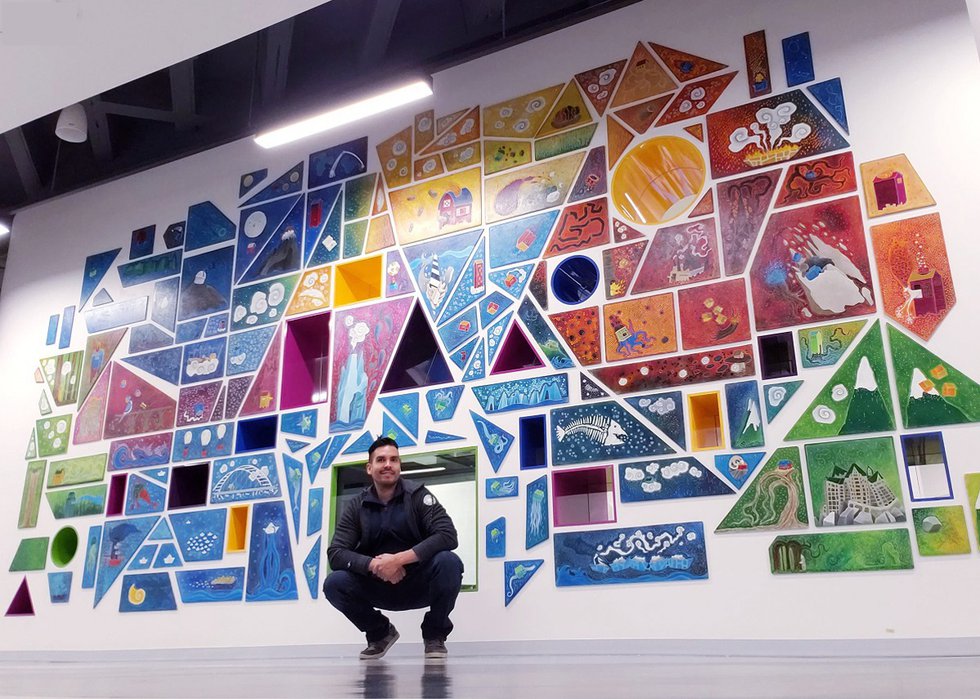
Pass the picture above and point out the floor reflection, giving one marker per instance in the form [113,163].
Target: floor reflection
[437,683]
[377,682]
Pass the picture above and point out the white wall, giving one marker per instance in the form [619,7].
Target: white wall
[911,80]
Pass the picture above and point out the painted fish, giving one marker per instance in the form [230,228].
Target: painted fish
[597,429]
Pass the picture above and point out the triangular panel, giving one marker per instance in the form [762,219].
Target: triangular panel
[437,265]
[640,117]
[390,428]
[856,399]
[619,265]
[931,392]
[517,574]
[361,444]
[665,411]
[570,110]
[311,569]
[618,138]
[642,78]
[496,440]
[263,395]
[592,178]
[436,437]
[98,351]
[830,95]
[206,225]
[418,361]
[289,182]
[164,364]
[696,99]
[471,287]
[685,66]
[512,280]
[704,207]
[589,389]
[134,406]
[397,280]
[777,395]
[599,83]
[294,486]
[774,500]
[516,353]
[96,267]
[405,409]
[738,468]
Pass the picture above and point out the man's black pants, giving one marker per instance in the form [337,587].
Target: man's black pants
[434,584]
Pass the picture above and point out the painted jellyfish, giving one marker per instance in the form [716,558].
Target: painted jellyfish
[536,517]
[521,571]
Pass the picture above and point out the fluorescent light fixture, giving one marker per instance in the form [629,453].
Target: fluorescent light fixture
[416,471]
[345,115]
[4,229]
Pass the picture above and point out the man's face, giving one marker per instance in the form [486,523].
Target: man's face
[385,466]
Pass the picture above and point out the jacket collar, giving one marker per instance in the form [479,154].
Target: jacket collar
[403,486]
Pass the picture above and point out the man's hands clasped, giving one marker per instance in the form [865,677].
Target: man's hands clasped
[388,567]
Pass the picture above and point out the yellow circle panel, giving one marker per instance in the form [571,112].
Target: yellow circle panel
[658,180]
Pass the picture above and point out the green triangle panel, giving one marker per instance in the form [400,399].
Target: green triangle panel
[856,400]
[774,500]
[931,392]
[777,395]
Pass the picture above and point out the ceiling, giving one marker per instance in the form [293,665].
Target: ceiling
[160,81]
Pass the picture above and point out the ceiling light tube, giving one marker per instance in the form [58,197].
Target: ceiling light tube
[416,471]
[346,114]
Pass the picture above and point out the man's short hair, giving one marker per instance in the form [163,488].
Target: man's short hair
[381,442]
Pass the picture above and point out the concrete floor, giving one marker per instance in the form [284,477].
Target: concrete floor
[567,676]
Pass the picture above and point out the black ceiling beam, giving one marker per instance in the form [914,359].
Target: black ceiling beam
[182,94]
[134,112]
[23,161]
[375,45]
[98,129]
[274,49]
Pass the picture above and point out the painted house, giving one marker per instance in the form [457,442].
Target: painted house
[928,291]
[455,208]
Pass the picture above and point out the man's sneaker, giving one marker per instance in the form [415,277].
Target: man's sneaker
[377,649]
[435,649]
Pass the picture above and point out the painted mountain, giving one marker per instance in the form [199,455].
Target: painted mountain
[931,392]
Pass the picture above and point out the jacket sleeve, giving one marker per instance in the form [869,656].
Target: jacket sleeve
[342,554]
[436,526]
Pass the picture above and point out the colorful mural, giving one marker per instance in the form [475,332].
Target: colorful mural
[440,320]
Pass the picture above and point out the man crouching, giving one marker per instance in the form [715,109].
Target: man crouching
[392,549]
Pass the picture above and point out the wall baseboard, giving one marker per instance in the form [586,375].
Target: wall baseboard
[622,649]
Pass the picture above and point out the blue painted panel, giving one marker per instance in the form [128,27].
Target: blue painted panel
[654,553]
[211,585]
[665,479]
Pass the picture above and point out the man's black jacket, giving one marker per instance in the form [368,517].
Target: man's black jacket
[427,519]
